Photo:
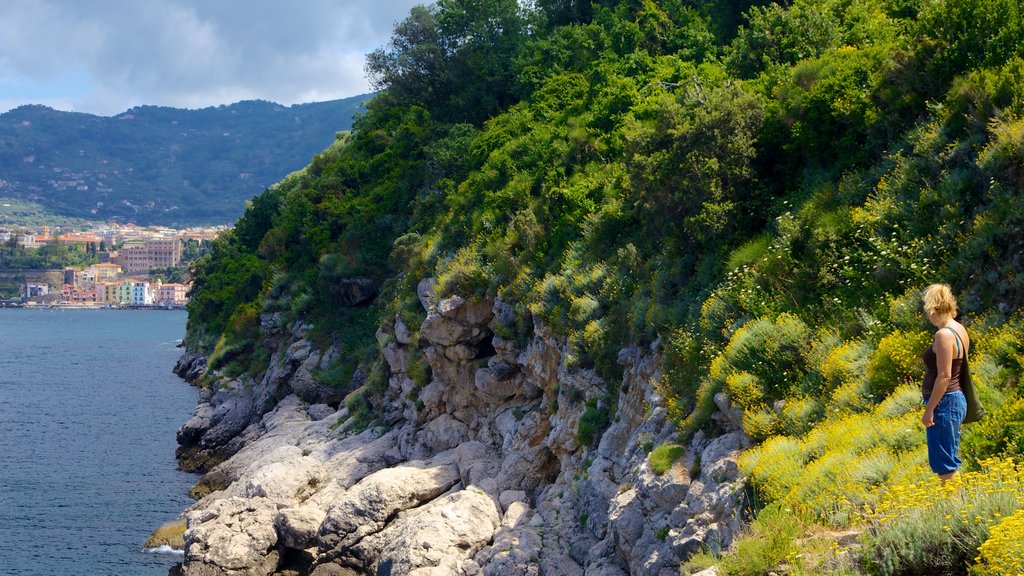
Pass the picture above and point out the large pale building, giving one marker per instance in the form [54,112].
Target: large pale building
[141,256]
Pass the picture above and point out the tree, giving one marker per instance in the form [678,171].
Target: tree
[453,59]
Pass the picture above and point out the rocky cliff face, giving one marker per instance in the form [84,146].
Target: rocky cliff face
[478,470]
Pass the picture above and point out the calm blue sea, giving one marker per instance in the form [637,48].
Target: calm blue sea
[88,412]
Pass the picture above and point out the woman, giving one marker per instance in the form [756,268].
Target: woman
[945,404]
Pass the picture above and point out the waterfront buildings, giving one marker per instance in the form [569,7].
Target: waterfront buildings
[128,254]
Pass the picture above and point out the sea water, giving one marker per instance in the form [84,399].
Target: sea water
[88,412]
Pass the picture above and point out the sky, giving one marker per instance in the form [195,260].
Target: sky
[106,56]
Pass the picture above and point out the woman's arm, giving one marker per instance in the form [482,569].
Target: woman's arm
[943,347]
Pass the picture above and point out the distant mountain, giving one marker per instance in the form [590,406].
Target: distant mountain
[159,165]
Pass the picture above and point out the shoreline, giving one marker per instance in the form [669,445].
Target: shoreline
[40,306]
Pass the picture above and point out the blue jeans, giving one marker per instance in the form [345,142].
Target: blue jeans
[944,436]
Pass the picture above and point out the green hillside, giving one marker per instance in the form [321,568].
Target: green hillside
[157,165]
[760,188]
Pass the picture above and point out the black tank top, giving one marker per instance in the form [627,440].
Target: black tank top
[931,370]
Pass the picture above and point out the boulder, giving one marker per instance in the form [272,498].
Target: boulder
[305,385]
[367,506]
[443,433]
[192,431]
[434,539]
[190,366]
[475,312]
[331,569]
[448,332]
[294,479]
[425,291]
[496,382]
[320,411]
[402,334]
[233,537]
[229,417]
[460,353]
[509,497]
[297,527]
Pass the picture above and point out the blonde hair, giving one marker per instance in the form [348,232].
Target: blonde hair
[938,299]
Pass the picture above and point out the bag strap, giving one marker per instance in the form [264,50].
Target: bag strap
[957,336]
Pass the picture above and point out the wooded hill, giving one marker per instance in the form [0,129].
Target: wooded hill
[762,189]
[159,165]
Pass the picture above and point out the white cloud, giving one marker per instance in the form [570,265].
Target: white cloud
[109,55]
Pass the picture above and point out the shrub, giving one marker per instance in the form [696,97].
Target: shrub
[682,364]
[749,253]
[717,314]
[704,408]
[592,424]
[662,457]
[360,408]
[1001,434]
[799,415]
[844,365]
[770,542]
[760,422]
[744,389]
[923,528]
[897,360]
[852,397]
[1003,552]
[464,274]
[771,351]
[835,467]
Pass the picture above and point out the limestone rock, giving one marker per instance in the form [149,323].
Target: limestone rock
[447,332]
[232,412]
[435,539]
[320,411]
[460,353]
[368,505]
[294,479]
[425,291]
[731,415]
[331,569]
[497,382]
[190,366]
[443,433]
[473,312]
[235,536]
[305,385]
[402,334]
[509,497]
[192,431]
[297,527]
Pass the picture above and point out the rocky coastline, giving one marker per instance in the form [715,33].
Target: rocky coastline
[477,471]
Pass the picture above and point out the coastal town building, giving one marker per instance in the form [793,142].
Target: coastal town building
[127,254]
[141,256]
[74,295]
[106,271]
[171,294]
[106,293]
[36,289]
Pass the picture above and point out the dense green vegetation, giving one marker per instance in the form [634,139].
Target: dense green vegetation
[762,188]
[52,256]
[158,165]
